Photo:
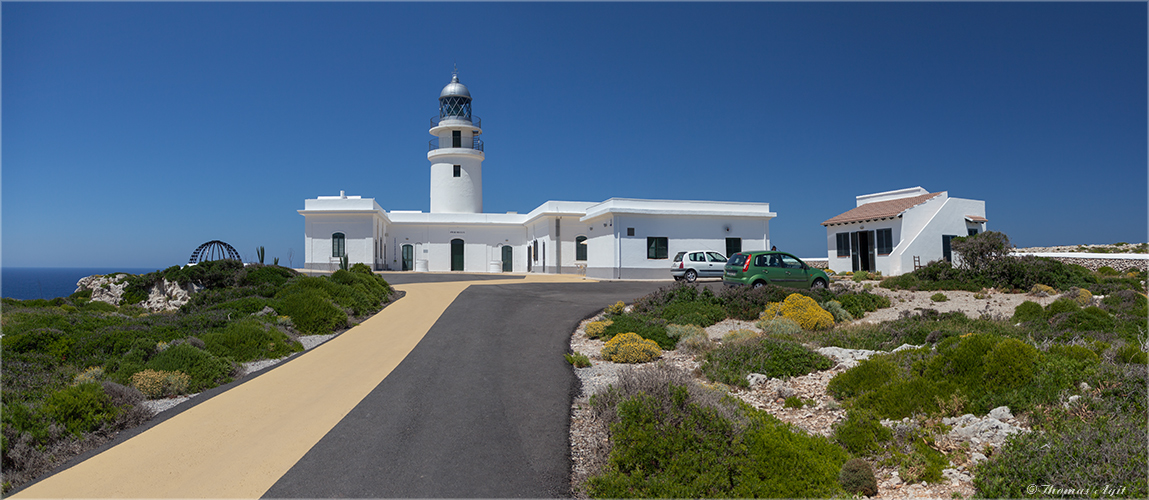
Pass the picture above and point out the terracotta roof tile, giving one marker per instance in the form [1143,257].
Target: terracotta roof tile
[976,218]
[880,209]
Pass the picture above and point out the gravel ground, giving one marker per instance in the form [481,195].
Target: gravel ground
[588,445]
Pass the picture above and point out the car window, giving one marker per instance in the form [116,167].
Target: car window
[678,258]
[760,260]
[697,257]
[716,257]
[791,262]
[774,260]
[737,259]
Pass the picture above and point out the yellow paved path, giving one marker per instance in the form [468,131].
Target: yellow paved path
[240,442]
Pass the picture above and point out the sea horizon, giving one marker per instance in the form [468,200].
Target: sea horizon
[28,283]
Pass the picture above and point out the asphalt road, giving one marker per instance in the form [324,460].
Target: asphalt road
[480,407]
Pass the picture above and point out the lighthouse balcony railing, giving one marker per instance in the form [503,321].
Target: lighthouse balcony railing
[476,121]
[476,144]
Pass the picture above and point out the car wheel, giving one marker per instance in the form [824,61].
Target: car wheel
[758,284]
[690,275]
[819,284]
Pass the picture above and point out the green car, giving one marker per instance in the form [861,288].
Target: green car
[772,268]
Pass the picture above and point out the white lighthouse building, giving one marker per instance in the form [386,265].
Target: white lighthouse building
[619,238]
[456,154]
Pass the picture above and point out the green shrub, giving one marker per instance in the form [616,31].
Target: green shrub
[1103,455]
[675,446]
[841,315]
[1090,319]
[311,311]
[861,433]
[924,464]
[81,408]
[793,402]
[630,348]
[781,328]
[682,331]
[868,375]
[861,276]
[1028,311]
[249,340]
[1131,353]
[259,275]
[1061,305]
[1108,271]
[693,313]
[857,477]
[695,344]
[1081,296]
[205,370]
[577,359]
[645,326]
[939,297]
[1009,365]
[747,303]
[858,304]
[1074,352]
[731,363]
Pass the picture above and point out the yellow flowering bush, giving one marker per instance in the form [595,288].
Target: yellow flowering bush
[595,329]
[630,348]
[157,383]
[1080,295]
[803,310]
[1042,290]
[92,374]
[615,309]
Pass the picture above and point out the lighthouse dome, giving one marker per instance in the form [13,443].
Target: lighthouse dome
[455,89]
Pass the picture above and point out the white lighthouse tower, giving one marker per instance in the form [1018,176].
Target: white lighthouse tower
[456,153]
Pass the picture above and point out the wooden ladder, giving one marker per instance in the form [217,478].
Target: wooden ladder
[917,263]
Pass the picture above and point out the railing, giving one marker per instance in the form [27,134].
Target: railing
[476,144]
[476,121]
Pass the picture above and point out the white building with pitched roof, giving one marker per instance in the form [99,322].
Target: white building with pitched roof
[618,238]
[893,231]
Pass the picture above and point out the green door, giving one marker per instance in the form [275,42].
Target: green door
[793,274]
[408,257]
[508,254]
[456,254]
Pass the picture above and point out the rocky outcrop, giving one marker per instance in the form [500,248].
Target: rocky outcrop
[109,289]
[164,296]
[168,296]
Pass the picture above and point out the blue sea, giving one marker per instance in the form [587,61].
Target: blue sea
[26,283]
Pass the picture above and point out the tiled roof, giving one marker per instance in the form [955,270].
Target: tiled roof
[880,209]
[976,218]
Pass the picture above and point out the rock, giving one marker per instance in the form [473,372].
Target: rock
[168,296]
[266,311]
[1084,387]
[104,288]
[1072,400]
[785,392]
[976,457]
[1001,413]
[756,379]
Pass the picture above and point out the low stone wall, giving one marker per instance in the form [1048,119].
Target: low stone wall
[1094,261]
[818,263]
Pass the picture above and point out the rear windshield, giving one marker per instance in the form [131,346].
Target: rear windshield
[737,259]
[678,258]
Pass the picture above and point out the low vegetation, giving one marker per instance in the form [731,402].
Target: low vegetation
[1074,371]
[75,370]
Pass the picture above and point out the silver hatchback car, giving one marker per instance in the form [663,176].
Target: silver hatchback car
[696,264]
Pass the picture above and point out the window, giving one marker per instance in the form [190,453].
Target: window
[580,248]
[733,246]
[791,263]
[843,244]
[458,170]
[885,241]
[697,257]
[715,257]
[971,231]
[338,245]
[657,247]
[630,231]
[456,138]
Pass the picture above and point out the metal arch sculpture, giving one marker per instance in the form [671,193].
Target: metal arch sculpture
[213,250]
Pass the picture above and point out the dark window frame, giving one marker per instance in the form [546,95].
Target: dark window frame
[456,138]
[580,248]
[884,241]
[843,242]
[458,171]
[338,244]
[657,247]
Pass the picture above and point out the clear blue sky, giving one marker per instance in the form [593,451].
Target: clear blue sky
[133,132]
